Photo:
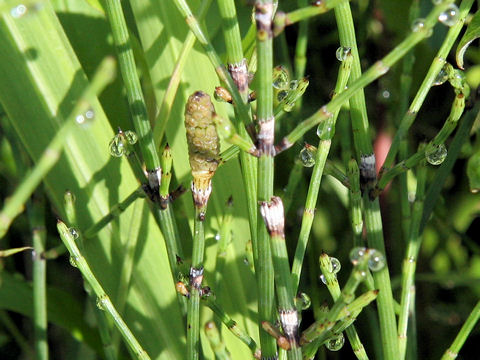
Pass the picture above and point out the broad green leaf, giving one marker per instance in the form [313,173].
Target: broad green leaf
[162,31]
[472,33]
[40,80]
[63,309]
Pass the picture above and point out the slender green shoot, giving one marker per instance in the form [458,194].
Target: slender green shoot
[325,132]
[104,302]
[454,349]
[410,260]
[380,68]
[428,81]
[39,234]
[331,281]
[215,340]
[232,325]
[136,101]
[433,152]
[103,76]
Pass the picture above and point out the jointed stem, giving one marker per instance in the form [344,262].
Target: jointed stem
[266,121]
[410,261]
[136,101]
[103,300]
[429,79]
[380,68]
[196,277]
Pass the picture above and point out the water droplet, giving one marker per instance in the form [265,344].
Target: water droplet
[304,301]
[282,95]
[116,146]
[418,25]
[336,266]
[342,52]
[306,156]
[457,80]
[217,236]
[450,16]
[131,137]
[437,2]
[246,262]
[376,261]
[326,129]
[293,84]
[356,254]
[280,78]
[386,94]
[324,280]
[288,106]
[442,76]
[18,11]
[335,343]
[73,261]
[89,114]
[73,232]
[411,259]
[100,303]
[436,154]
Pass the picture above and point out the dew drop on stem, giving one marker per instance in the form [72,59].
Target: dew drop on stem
[73,261]
[86,118]
[100,302]
[306,157]
[73,232]
[131,137]
[418,25]
[441,77]
[280,78]
[326,129]
[116,146]
[356,254]
[18,11]
[282,95]
[376,260]
[450,16]
[335,343]
[436,154]
[342,52]
[323,279]
[303,300]
[336,266]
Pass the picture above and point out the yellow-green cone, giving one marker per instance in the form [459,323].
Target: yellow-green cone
[203,145]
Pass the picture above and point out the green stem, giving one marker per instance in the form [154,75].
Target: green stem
[16,334]
[171,91]
[103,76]
[104,301]
[380,68]
[196,277]
[334,289]
[410,261]
[232,326]
[428,81]
[326,133]
[273,216]
[450,124]
[454,349]
[266,121]
[37,224]
[363,147]
[136,101]
[215,340]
